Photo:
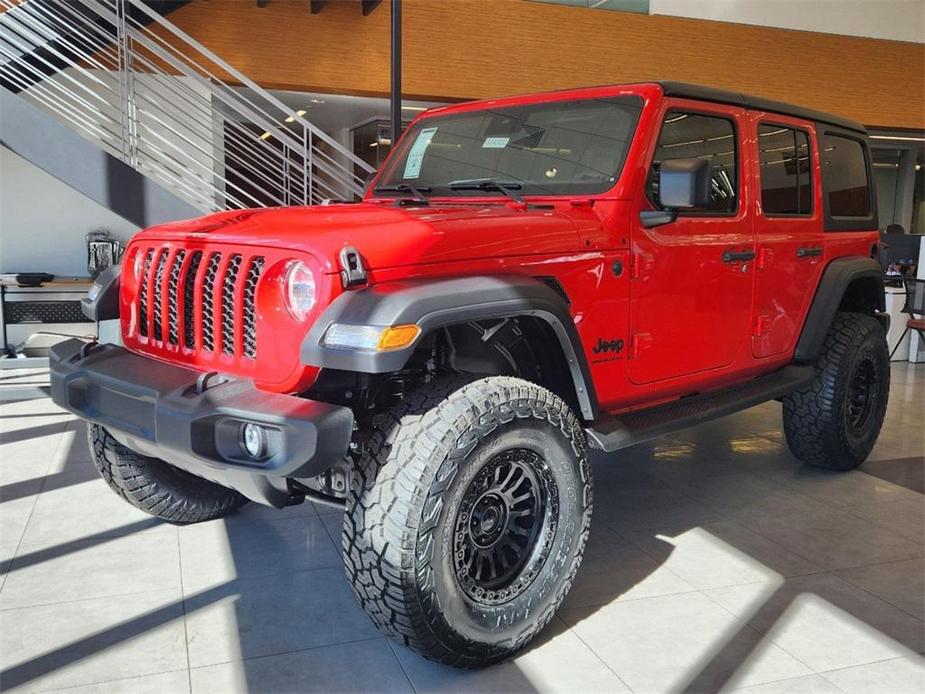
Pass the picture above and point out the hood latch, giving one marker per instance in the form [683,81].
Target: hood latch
[352,272]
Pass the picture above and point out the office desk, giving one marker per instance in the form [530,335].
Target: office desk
[52,307]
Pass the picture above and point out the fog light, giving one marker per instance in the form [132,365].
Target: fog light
[254,440]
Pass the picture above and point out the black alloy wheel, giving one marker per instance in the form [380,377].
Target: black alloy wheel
[862,395]
[505,526]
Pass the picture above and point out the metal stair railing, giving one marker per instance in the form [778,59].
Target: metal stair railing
[123,76]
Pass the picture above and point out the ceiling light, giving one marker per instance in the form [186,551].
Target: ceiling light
[266,136]
[413,108]
[317,101]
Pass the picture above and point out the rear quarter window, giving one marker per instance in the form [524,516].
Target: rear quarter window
[846,184]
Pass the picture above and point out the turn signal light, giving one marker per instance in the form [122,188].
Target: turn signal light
[398,336]
[370,337]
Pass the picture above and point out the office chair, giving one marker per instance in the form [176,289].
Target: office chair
[915,307]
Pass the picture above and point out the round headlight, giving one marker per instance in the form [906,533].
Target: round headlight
[300,289]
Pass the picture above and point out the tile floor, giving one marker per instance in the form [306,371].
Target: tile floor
[716,562]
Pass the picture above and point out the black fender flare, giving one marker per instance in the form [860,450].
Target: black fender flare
[437,303]
[836,278]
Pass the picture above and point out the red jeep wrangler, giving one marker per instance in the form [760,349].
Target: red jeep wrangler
[527,278]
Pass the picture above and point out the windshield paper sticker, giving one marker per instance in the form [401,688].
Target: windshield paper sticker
[495,142]
[416,155]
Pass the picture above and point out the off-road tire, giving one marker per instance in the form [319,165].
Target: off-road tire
[822,422]
[157,487]
[402,515]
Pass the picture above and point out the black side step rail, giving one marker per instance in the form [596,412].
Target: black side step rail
[610,433]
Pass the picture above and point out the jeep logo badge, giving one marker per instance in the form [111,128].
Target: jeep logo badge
[607,346]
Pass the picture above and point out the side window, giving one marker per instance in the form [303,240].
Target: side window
[786,182]
[691,135]
[844,177]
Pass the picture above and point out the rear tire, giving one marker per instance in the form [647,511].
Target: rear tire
[834,423]
[467,517]
[157,487]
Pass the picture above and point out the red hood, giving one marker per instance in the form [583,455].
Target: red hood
[385,235]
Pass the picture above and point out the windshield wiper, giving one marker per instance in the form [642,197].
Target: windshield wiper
[506,187]
[416,191]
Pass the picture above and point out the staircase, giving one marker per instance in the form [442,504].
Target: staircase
[161,105]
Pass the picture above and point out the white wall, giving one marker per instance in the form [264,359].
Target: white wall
[43,221]
[900,20]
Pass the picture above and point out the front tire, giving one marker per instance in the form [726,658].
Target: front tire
[467,517]
[157,487]
[834,423]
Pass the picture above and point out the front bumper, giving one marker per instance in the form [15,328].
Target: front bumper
[194,421]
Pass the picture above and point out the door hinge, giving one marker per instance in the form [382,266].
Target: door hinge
[633,263]
[765,256]
[352,272]
[639,343]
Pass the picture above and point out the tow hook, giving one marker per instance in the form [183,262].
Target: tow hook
[296,493]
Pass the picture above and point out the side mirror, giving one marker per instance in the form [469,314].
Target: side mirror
[684,183]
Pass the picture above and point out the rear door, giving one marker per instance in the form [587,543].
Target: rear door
[691,286]
[788,230]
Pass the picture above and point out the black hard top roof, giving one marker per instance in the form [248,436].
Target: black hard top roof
[755,103]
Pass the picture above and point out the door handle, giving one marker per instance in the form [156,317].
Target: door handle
[809,252]
[738,256]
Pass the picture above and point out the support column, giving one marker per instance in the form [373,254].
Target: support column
[396,71]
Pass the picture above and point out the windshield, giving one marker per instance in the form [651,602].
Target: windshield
[553,148]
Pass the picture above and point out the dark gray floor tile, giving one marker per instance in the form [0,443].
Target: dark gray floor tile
[835,539]
[900,583]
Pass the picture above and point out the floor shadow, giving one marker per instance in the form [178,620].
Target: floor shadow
[29,670]
[29,433]
[22,561]
[58,480]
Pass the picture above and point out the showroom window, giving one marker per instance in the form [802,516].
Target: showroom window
[786,183]
[694,135]
[844,177]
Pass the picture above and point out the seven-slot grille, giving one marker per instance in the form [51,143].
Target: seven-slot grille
[199,300]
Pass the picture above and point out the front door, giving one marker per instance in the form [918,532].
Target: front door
[789,233]
[692,281]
